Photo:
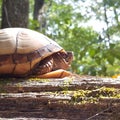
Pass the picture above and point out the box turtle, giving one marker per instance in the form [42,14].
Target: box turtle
[24,52]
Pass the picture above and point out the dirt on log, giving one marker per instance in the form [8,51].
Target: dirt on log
[70,98]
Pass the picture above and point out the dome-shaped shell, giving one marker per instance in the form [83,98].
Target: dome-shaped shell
[21,49]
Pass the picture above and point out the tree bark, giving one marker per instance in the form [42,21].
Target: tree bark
[37,6]
[60,98]
[15,13]
[39,14]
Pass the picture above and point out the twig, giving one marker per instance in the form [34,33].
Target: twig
[99,113]
[6,13]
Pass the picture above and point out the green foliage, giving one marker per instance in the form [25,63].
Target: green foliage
[95,53]
[63,22]
[33,24]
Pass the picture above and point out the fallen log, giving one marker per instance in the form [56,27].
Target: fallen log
[75,98]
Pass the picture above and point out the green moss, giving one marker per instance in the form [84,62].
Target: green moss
[91,96]
[39,79]
[77,96]
[95,95]
[67,82]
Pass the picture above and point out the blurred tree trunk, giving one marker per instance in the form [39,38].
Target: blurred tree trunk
[39,14]
[15,13]
[37,6]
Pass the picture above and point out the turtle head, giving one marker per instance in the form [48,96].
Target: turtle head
[62,60]
[68,57]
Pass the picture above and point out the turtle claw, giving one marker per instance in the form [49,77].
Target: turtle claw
[55,74]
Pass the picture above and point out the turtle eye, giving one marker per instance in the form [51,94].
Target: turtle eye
[64,55]
[69,56]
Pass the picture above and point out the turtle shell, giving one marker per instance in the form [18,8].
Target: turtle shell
[21,49]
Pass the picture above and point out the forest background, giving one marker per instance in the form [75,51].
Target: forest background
[89,28]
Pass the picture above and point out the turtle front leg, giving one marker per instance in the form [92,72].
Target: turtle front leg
[44,66]
[55,74]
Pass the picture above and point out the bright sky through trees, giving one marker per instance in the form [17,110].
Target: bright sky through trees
[96,24]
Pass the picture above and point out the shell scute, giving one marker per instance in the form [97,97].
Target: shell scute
[29,41]
[6,59]
[33,55]
[7,69]
[21,69]
[7,43]
[19,58]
